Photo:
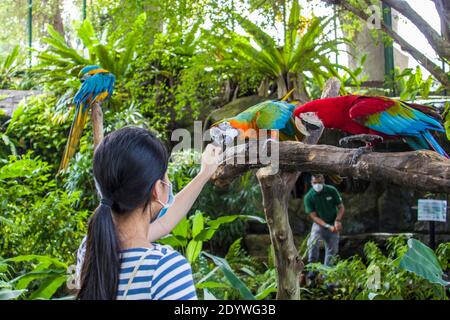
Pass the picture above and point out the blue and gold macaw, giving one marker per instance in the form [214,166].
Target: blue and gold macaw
[97,85]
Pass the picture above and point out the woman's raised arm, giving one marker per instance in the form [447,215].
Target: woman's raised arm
[184,199]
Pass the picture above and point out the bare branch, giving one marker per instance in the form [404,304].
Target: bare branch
[433,68]
[439,44]
[443,9]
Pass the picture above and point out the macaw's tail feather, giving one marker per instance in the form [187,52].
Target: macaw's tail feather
[434,144]
[336,179]
[417,143]
[74,136]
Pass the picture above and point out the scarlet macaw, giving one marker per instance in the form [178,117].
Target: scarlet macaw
[97,85]
[268,115]
[380,116]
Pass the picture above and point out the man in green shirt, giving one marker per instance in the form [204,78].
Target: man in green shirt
[323,204]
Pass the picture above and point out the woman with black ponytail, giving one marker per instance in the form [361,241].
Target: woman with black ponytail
[118,259]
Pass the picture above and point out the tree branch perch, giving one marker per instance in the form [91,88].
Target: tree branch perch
[421,170]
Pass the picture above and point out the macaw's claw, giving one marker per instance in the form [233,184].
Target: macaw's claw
[358,153]
[368,139]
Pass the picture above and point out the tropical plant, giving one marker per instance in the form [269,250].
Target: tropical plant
[242,196]
[409,84]
[171,82]
[191,233]
[32,128]
[302,58]
[236,276]
[61,62]
[9,68]
[403,273]
[422,261]
[36,215]
[40,278]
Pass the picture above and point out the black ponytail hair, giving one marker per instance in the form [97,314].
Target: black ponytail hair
[127,164]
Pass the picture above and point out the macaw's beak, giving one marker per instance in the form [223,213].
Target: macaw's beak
[301,127]
[84,77]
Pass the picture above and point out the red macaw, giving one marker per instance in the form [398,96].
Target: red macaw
[379,116]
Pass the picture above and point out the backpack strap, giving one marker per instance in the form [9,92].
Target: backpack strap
[135,270]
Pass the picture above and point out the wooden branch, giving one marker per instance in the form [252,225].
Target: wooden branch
[443,9]
[422,170]
[439,44]
[433,68]
[275,192]
[97,123]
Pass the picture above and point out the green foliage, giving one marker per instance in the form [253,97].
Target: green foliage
[61,62]
[190,233]
[380,276]
[170,79]
[242,196]
[40,277]
[421,260]
[410,84]
[7,146]
[9,68]
[446,116]
[303,55]
[237,276]
[443,255]
[32,127]
[36,216]
[234,281]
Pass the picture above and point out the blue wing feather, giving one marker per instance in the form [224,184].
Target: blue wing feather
[92,87]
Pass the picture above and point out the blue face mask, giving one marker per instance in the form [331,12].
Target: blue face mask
[167,205]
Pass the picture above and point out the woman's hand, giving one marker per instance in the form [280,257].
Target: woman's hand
[210,160]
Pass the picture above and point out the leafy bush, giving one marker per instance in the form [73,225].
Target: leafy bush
[237,276]
[409,83]
[9,68]
[33,127]
[378,277]
[170,81]
[61,62]
[36,215]
[242,196]
[40,277]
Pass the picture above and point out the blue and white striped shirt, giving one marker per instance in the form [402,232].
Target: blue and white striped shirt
[164,274]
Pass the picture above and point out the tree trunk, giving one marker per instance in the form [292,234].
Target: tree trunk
[263,88]
[236,92]
[97,123]
[282,89]
[57,17]
[276,191]
[443,8]
[228,91]
[296,81]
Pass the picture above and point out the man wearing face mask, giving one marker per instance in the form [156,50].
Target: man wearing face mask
[324,206]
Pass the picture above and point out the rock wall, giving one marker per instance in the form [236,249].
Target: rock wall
[10,99]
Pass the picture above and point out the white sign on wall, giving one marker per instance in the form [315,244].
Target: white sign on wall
[432,210]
